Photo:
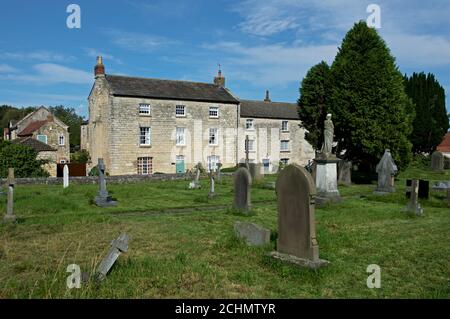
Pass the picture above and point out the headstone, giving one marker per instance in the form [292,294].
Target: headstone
[10,217]
[437,161]
[443,186]
[195,184]
[211,185]
[326,181]
[413,205]
[255,172]
[386,170]
[103,199]
[219,173]
[344,173]
[297,241]
[424,189]
[66,176]
[242,189]
[118,246]
[253,234]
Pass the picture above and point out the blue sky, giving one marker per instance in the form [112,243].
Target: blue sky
[261,44]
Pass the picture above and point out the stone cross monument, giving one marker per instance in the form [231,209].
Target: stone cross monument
[103,199]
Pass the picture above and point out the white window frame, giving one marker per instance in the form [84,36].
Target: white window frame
[212,162]
[146,135]
[46,138]
[251,142]
[63,138]
[214,110]
[286,142]
[180,107]
[287,126]
[216,136]
[141,108]
[180,139]
[249,127]
[145,165]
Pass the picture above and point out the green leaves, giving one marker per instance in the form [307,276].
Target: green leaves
[22,158]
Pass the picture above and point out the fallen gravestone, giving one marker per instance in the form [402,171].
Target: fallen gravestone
[118,246]
[297,241]
[386,170]
[437,161]
[66,176]
[242,189]
[413,206]
[253,234]
[103,199]
[10,217]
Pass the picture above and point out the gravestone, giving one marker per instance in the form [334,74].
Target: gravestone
[66,176]
[297,241]
[10,183]
[219,173]
[195,184]
[211,185]
[242,189]
[443,186]
[386,170]
[118,246]
[413,205]
[255,172]
[103,199]
[424,189]
[344,173]
[437,161]
[253,234]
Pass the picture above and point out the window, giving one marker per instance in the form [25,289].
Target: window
[144,137]
[42,138]
[180,138]
[285,126]
[61,140]
[145,165]
[180,110]
[214,111]
[144,109]
[284,161]
[250,146]
[249,124]
[284,146]
[213,136]
[213,160]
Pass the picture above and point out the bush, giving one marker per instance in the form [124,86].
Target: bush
[23,159]
[81,157]
[93,171]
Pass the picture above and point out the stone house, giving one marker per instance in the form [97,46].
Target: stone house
[146,126]
[46,134]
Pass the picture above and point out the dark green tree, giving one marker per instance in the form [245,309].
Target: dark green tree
[370,108]
[73,120]
[22,158]
[314,93]
[431,122]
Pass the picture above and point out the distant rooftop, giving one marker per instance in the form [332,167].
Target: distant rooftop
[270,110]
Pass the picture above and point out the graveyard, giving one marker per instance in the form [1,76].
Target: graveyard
[182,242]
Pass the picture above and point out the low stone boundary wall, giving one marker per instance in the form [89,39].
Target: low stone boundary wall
[122,179]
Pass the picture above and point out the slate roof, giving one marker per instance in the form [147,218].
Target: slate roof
[168,89]
[38,146]
[445,145]
[269,110]
[31,128]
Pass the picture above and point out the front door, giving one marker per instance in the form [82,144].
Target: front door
[180,164]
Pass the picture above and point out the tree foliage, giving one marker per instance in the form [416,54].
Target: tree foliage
[431,122]
[73,120]
[314,93]
[370,108]
[22,158]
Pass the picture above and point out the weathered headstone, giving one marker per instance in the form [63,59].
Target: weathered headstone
[437,161]
[344,173]
[297,241]
[195,184]
[66,176]
[386,170]
[242,189]
[443,186]
[253,234]
[211,185]
[10,217]
[103,199]
[219,173]
[413,205]
[118,246]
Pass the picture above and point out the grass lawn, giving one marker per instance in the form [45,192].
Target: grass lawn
[183,246]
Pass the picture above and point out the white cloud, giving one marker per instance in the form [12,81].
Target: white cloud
[40,55]
[93,53]
[5,68]
[138,41]
[49,73]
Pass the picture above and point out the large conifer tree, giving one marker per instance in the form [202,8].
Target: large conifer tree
[370,108]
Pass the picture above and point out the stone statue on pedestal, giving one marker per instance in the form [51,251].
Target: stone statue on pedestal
[328,134]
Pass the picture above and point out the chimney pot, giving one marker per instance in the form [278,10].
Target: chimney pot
[267,99]
[99,69]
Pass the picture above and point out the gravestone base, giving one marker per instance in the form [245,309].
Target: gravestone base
[414,209]
[301,262]
[10,219]
[253,234]
[211,195]
[326,181]
[384,191]
[107,201]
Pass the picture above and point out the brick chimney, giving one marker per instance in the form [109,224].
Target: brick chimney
[219,79]
[99,69]
[267,98]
